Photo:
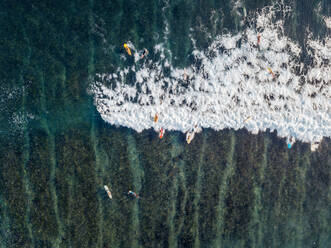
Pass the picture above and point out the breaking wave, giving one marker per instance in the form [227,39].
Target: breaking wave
[235,83]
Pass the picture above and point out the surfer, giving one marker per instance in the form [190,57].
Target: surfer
[144,53]
[185,76]
[108,191]
[133,194]
[190,135]
[290,142]
[161,133]
[271,72]
[156,117]
[258,39]
[248,119]
[127,49]
[314,146]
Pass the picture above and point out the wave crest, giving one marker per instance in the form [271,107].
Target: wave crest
[235,83]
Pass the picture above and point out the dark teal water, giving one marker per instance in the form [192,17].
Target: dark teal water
[226,189]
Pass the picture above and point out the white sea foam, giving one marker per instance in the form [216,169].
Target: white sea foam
[229,83]
[328,22]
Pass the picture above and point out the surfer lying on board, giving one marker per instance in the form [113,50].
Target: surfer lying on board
[133,194]
[271,72]
[144,53]
[161,133]
[190,135]
[108,192]
[185,76]
[290,142]
[248,119]
[127,49]
[156,117]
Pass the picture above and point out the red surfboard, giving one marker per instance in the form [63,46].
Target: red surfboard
[161,133]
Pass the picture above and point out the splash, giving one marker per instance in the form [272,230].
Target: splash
[328,22]
[235,83]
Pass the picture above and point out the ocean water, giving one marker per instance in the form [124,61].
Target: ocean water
[76,113]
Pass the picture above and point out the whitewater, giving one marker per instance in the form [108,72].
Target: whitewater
[229,85]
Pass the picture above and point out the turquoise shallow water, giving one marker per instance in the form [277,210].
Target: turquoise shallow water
[226,189]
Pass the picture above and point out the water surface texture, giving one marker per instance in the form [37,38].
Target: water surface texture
[72,101]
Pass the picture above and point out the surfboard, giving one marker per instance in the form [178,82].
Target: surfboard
[156,117]
[108,191]
[248,119]
[162,131]
[127,49]
[189,137]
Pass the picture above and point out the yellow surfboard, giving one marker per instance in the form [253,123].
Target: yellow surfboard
[127,49]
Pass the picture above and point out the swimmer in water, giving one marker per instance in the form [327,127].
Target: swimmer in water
[131,193]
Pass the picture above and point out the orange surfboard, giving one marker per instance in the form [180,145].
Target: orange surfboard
[156,117]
